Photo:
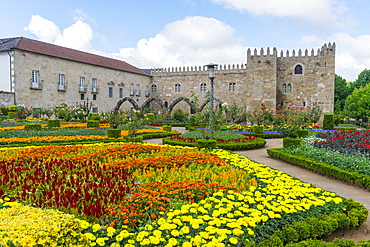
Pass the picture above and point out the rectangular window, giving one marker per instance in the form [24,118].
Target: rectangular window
[94,97]
[95,110]
[61,82]
[120,93]
[110,92]
[82,97]
[94,87]
[35,78]
[132,89]
[82,84]
[137,90]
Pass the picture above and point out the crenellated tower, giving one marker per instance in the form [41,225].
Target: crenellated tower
[268,77]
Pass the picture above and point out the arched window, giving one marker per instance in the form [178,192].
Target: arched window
[232,86]
[284,88]
[298,70]
[289,88]
[154,88]
[203,87]
[177,87]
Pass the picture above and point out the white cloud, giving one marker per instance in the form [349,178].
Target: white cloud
[322,12]
[44,29]
[352,53]
[77,36]
[192,41]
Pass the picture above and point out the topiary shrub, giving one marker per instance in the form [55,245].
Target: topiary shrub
[53,123]
[207,144]
[92,124]
[11,111]
[167,128]
[93,116]
[291,142]
[258,129]
[328,122]
[32,126]
[114,133]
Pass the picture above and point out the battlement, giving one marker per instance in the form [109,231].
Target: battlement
[325,50]
[196,69]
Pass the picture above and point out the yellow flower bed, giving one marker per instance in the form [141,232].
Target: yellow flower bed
[29,226]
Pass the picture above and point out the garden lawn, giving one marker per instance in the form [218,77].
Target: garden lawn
[136,191]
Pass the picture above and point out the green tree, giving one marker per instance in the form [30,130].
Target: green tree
[357,105]
[341,92]
[362,80]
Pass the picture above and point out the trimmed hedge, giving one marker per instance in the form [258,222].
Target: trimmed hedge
[234,146]
[322,168]
[167,127]
[316,227]
[207,144]
[328,122]
[114,133]
[291,142]
[32,126]
[92,124]
[53,123]
[138,138]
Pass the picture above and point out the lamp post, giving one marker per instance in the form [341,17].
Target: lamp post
[211,73]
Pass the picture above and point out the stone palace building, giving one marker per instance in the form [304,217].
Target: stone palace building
[42,75]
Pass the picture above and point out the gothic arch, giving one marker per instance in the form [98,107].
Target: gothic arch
[120,102]
[158,101]
[172,105]
[208,100]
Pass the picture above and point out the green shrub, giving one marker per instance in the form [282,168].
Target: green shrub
[52,123]
[149,118]
[93,116]
[32,126]
[328,122]
[258,129]
[180,116]
[11,115]
[167,128]
[138,139]
[114,133]
[207,144]
[302,133]
[92,124]
[291,142]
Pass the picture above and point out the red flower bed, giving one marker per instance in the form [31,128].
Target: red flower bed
[77,187]
[347,142]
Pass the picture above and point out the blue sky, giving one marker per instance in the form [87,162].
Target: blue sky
[169,33]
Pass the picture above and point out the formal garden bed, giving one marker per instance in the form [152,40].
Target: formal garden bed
[139,194]
[343,155]
[221,139]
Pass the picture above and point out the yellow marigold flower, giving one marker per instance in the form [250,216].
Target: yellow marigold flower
[115,245]
[187,244]
[172,241]
[90,236]
[233,240]
[157,233]
[96,227]
[148,227]
[175,233]
[100,241]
